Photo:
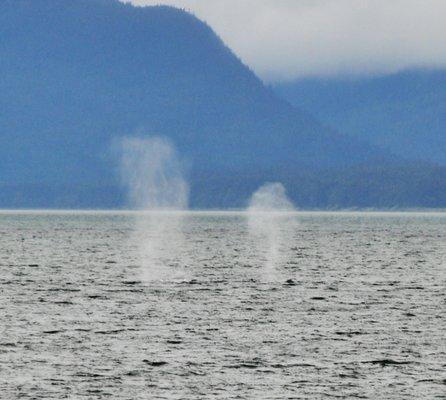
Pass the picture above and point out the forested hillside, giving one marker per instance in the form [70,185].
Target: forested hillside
[76,76]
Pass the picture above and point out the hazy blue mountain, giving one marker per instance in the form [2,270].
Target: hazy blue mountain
[77,75]
[404,112]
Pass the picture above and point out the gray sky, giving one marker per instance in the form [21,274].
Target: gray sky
[287,39]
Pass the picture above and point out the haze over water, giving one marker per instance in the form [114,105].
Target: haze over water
[364,317]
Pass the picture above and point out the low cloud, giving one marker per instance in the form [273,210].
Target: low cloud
[288,39]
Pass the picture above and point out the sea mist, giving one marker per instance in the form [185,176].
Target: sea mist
[152,173]
[268,217]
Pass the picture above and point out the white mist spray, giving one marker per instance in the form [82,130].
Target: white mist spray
[268,213]
[152,173]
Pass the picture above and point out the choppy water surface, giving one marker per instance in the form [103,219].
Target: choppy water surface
[364,315]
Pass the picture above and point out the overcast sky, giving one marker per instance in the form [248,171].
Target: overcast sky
[287,39]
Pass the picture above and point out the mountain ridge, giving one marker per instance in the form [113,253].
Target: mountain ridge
[404,112]
[78,75]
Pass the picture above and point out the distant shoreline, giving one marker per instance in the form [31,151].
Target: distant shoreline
[377,212]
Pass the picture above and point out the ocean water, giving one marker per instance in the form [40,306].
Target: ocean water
[309,306]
